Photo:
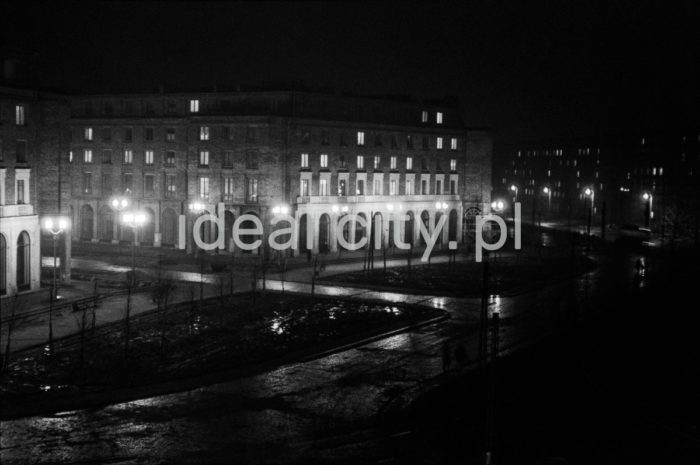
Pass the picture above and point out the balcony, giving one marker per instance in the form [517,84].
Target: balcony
[330,199]
[16,210]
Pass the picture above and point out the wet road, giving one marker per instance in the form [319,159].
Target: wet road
[324,409]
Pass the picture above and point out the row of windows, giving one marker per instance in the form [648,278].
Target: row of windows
[377,162]
[423,188]
[20,151]
[169,158]
[20,114]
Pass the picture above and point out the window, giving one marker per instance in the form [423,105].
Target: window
[20,115]
[204,158]
[377,140]
[106,184]
[342,141]
[438,187]
[304,188]
[360,162]
[149,134]
[87,183]
[453,143]
[392,163]
[324,137]
[128,134]
[409,142]
[304,160]
[170,158]
[394,141]
[20,192]
[377,187]
[228,158]
[87,156]
[438,117]
[148,185]
[439,143]
[360,138]
[409,163]
[128,156]
[424,187]
[107,134]
[21,151]
[426,142]
[424,116]
[377,162]
[70,157]
[87,134]
[127,182]
[170,135]
[107,156]
[323,187]
[251,161]
[251,189]
[251,134]
[204,133]
[453,164]
[148,158]
[324,160]
[226,133]
[194,106]
[453,187]
[204,187]
[409,187]
[392,187]
[306,137]
[170,186]
[228,189]
[171,107]
[342,188]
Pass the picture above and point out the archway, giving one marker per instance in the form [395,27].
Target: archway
[24,264]
[3,265]
[324,233]
[452,229]
[148,229]
[105,223]
[425,219]
[169,227]
[86,222]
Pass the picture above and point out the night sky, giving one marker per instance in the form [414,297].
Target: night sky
[570,69]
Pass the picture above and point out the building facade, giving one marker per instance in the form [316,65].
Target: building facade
[316,156]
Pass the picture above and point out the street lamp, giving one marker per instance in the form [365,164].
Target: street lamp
[134,219]
[55,226]
[498,205]
[548,192]
[649,214]
[589,195]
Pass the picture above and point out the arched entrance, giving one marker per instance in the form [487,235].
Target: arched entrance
[105,223]
[86,222]
[24,263]
[169,227]
[324,233]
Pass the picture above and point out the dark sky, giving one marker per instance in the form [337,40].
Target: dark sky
[558,69]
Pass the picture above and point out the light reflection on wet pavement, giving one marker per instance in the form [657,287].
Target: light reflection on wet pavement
[322,409]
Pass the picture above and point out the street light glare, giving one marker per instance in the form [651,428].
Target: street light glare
[588,191]
[645,196]
[48,223]
[513,188]
[545,190]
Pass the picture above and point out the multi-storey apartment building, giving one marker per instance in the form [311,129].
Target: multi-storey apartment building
[317,156]
[648,180]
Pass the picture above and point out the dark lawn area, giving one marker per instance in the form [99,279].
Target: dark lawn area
[506,273]
[227,333]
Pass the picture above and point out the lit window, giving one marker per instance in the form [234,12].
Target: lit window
[453,164]
[204,158]
[439,143]
[228,189]
[409,187]
[88,156]
[424,116]
[392,187]
[360,189]
[20,116]
[360,138]
[409,163]
[438,117]
[228,159]
[377,187]
[453,143]
[323,187]
[70,157]
[341,188]
[194,106]
[204,187]
[392,163]
[128,156]
[148,158]
[304,188]
[170,157]
[377,162]
[204,133]
[360,162]
[324,160]
[170,185]
[304,160]
[87,135]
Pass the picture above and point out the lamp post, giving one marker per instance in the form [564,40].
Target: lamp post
[590,196]
[548,192]
[514,190]
[119,203]
[649,213]
[133,219]
[55,226]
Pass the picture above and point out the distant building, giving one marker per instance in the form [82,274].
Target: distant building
[648,180]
